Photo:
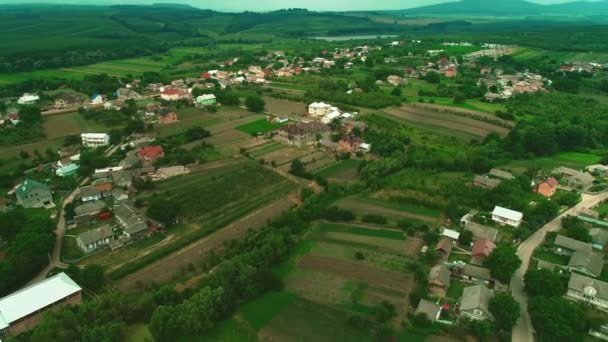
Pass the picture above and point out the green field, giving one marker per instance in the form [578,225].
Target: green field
[568,159]
[259,126]
[346,169]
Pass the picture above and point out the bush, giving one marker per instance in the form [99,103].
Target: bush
[338,214]
[373,218]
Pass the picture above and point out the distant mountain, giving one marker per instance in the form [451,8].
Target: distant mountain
[510,8]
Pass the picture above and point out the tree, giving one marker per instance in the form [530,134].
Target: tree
[297,169]
[432,77]
[505,311]
[30,115]
[466,237]
[163,210]
[544,283]
[503,262]
[72,139]
[255,103]
[396,92]
[557,319]
[384,312]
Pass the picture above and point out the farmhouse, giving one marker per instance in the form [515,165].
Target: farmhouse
[507,216]
[24,309]
[350,144]
[67,171]
[476,275]
[430,309]
[486,182]
[319,109]
[396,80]
[94,239]
[439,280]
[327,119]
[127,94]
[89,208]
[89,193]
[132,220]
[475,302]
[482,248]
[95,139]
[28,99]
[568,246]
[148,155]
[498,173]
[444,248]
[172,94]
[302,134]
[166,116]
[587,262]
[452,234]
[582,180]
[588,291]
[33,194]
[66,100]
[206,100]
[548,187]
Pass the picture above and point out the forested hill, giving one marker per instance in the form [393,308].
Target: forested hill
[510,8]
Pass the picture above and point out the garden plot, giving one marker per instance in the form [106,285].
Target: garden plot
[360,207]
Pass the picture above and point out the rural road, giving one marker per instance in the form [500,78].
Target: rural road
[523,330]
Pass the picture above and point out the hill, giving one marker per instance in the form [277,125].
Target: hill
[510,8]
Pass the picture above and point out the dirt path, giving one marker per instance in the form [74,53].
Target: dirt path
[164,269]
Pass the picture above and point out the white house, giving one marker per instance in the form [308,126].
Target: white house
[327,119]
[452,234]
[95,139]
[507,216]
[97,99]
[319,109]
[28,99]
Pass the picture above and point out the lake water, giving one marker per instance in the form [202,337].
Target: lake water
[341,38]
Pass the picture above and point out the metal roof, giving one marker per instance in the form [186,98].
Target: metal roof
[507,213]
[35,297]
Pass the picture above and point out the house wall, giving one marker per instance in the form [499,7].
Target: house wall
[504,220]
[578,296]
[31,321]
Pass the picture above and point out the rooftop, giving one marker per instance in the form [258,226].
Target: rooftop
[476,297]
[35,297]
[95,235]
[587,285]
[507,213]
[570,243]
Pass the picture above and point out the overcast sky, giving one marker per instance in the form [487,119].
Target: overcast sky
[266,5]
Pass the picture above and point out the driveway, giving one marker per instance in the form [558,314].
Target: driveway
[523,330]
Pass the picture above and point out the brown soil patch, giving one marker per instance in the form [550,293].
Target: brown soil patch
[386,280]
[413,246]
[284,107]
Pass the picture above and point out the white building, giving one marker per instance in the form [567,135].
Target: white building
[95,139]
[507,216]
[319,109]
[327,119]
[28,99]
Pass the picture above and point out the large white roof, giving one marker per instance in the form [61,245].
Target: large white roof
[35,297]
[94,135]
[451,234]
[507,213]
[319,105]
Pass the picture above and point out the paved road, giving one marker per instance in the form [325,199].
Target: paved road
[523,331]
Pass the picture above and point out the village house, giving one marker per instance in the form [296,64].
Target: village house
[439,280]
[486,182]
[94,239]
[90,208]
[89,193]
[598,170]
[475,302]
[548,187]
[327,119]
[475,275]
[173,94]
[587,262]
[566,171]
[350,144]
[148,155]
[444,248]
[451,72]
[133,84]
[95,139]
[119,195]
[132,220]
[482,248]
[23,310]
[28,99]
[166,116]
[506,216]
[582,180]
[67,171]
[498,173]
[396,80]
[587,290]
[33,194]
[302,134]
[206,100]
[430,309]
[127,94]
[66,100]
[319,109]
[568,246]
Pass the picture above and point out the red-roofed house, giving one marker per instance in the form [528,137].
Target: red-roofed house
[568,68]
[206,75]
[548,187]
[451,72]
[482,248]
[148,155]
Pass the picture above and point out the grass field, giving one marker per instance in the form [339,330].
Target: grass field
[259,126]
[363,206]
[138,333]
[346,170]
[568,159]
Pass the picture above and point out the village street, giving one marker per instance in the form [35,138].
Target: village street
[523,331]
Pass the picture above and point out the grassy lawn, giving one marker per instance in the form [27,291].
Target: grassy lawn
[226,331]
[180,127]
[259,126]
[456,289]
[340,169]
[69,249]
[262,310]
[551,257]
[414,209]
[568,159]
[354,230]
[266,149]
